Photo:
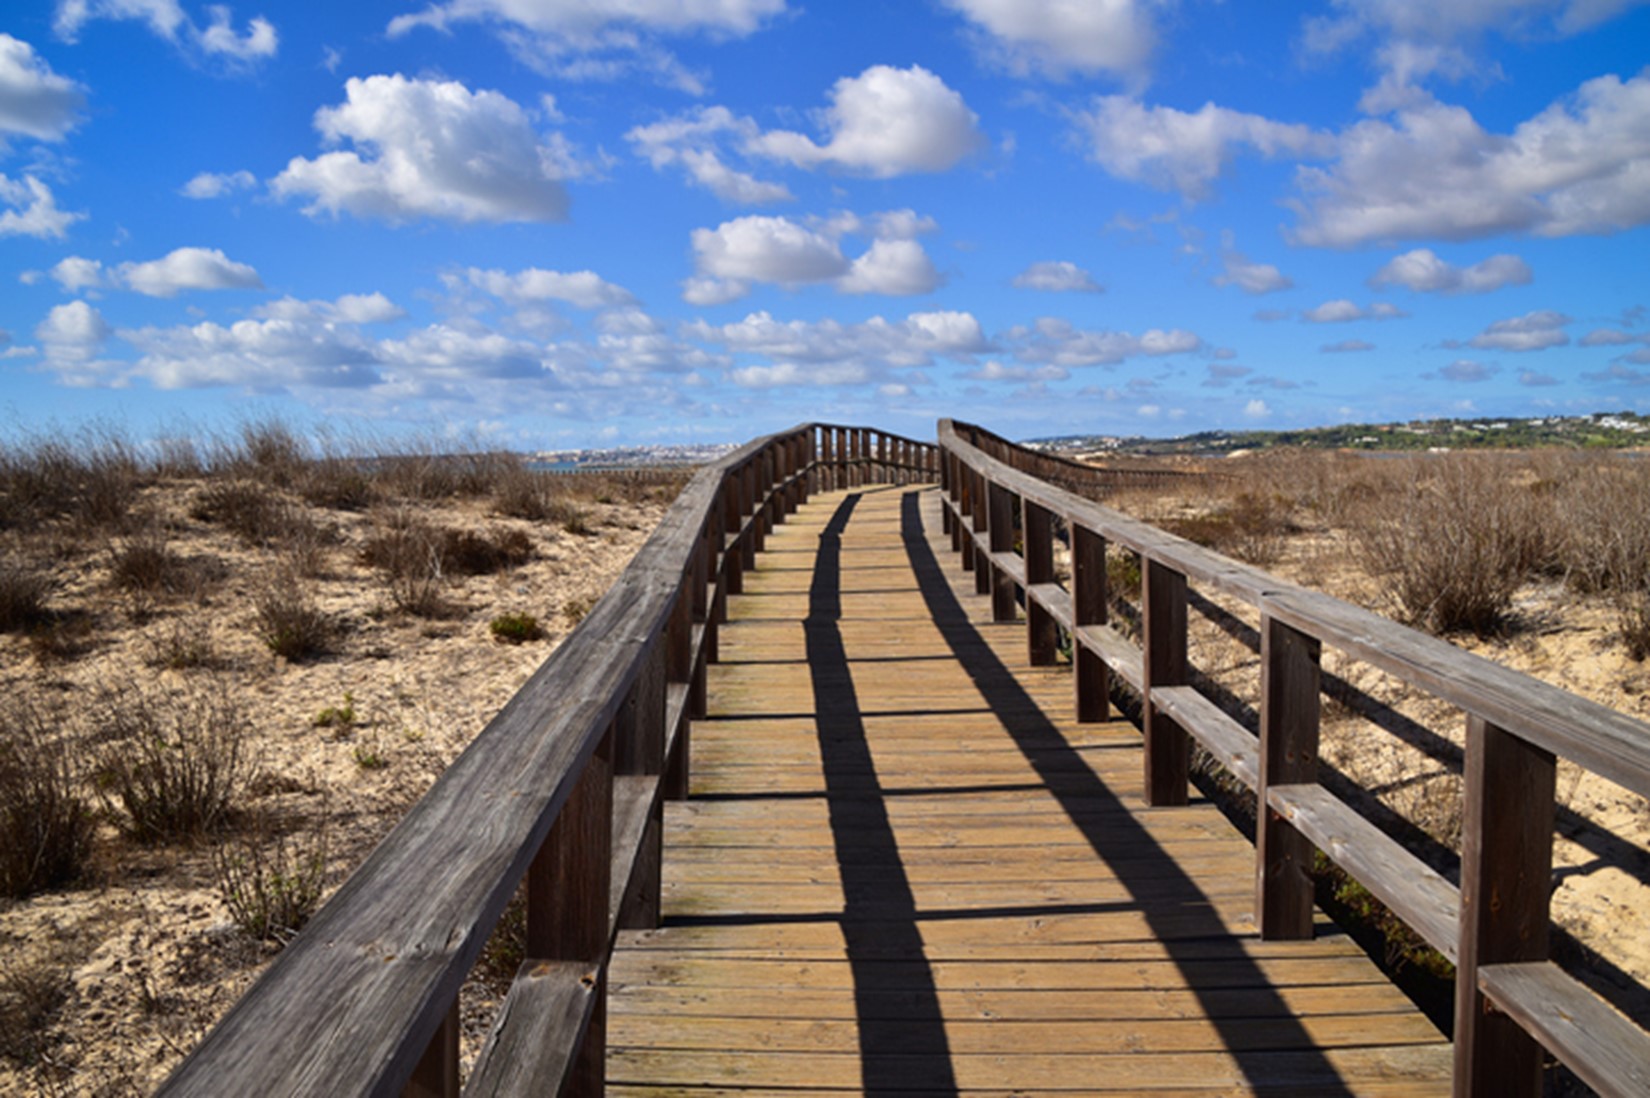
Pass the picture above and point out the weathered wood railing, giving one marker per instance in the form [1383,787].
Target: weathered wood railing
[562,791]
[1092,481]
[1511,1000]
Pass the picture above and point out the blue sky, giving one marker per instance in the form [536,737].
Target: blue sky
[553,223]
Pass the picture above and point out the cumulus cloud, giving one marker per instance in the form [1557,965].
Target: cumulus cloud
[1057,276]
[1535,331]
[1058,342]
[28,208]
[728,258]
[799,352]
[883,123]
[430,148]
[1580,166]
[611,40]
[583,289]
[1534,378]
[1057,37]
[1251,278]
[1422,271]
[34,101]
[693,143]
[993,370]
[179,270]
[167,19]
[73,325]
[1466,370]
[1256,409]
[1347,346]
[1341,311]
[1185,151]
[215,185]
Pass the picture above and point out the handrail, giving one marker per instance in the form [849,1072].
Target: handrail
[562,790]
[1510,999]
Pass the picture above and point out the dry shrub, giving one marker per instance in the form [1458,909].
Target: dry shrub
[45,826]
[480,553]
[406,551]
[89,480]
[178,764]
[524,494]
[271,880]
[288,621]
[270,451]
[24,591]
[1251,526]
[244,507]
[32,991]
[180,645]
[1453,545]
[339,483]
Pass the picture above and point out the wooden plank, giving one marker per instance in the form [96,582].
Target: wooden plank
[1163,617]
[1228,741]
[1605,1048]
[1415,892]
[1121,655]
[1289,711]
[545,1017]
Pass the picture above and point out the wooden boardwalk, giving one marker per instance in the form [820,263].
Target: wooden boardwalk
[905,868]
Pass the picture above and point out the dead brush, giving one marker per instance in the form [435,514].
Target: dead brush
[288,621]
[25,593]
[1453,546]
[271,878]
[1605,519]
[406,552]
[175,764]
[46,828]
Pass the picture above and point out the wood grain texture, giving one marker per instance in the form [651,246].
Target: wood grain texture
[1604,1047]
[975,898]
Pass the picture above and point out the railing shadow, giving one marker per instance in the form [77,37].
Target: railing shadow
[885,949]
[1117,837]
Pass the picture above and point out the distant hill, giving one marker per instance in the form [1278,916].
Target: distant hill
[1603,430]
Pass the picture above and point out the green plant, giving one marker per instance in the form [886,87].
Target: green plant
[337,716]
[177,764]
[368,757]
[575,609]
[181,645]
[515,628]
[45,826]
[272,881]
[289,624]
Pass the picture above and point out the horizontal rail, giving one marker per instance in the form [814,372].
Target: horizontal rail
[560,793]
[1495,925]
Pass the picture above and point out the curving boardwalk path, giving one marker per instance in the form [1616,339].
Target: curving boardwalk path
[905,869]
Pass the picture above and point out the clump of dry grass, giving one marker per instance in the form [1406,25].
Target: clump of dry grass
[406,552]
[25,591]
[288,621]
[271,879]
[173,765]
[45,826]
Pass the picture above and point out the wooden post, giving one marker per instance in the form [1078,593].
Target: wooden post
[1289,710]
[1091,678]
[827,457]
[980,518]
[1001,507]
[1506,882]
[885,472]
[567,898]
[1168,754]
[733,556]
[436,1075]
[1042,631]
[639,748]
[751,504]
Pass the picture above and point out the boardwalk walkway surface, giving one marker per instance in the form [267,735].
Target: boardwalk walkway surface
[905,868]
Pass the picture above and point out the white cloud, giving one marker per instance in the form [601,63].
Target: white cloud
[1610,337]
[1423,271]
[215,185]
[1347,346]
[800,352]
[791,374]
[1057,342]
[33,210]
[1175,150]
[583,289]
[1466,370]
[167,19]
[997,371]
[73,325]
[728,258]
[1251,278]
[34,101]
[76,274]
[1531,332]
[373,308]
[1256,409]
[1341,311]
[1062,36]
[883,123]
[1057,276]
[692,142]
[601,39]
[430,148]
[1580,166]
[182,269]
[188,269]
[898,267]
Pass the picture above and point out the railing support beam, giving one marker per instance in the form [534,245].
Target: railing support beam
[1168,750]
[1289,713]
